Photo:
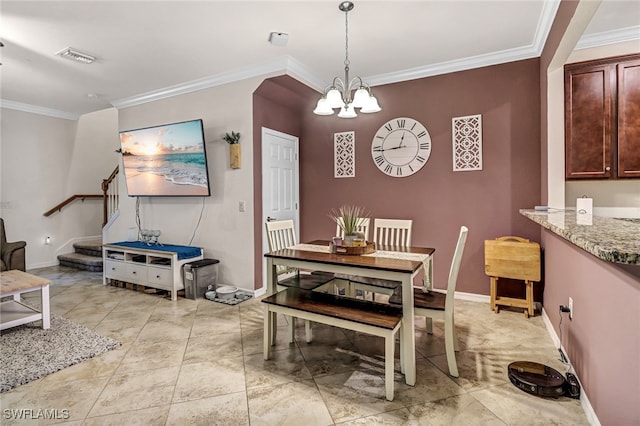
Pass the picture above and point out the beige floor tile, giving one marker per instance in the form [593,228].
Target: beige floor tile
[431,385]
[252,339]
[213,347]
[389,418]
[121,330]
[462,410]
[516,407]
[230,409]
[136,390]
[211,378]
[475,370]
[150,356]
[77,397]
[330,359]
[356,394]
[284,366]
[155,416]
[158,331]
[293,403]
[218,322]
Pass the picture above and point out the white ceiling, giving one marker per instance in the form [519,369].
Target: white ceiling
[147,50]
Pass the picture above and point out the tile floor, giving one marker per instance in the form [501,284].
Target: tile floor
[200,363]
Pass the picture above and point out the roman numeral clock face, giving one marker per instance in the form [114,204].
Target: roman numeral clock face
[401,147]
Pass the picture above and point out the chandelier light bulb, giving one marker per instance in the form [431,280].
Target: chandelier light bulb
[371,106]
[323,107]
[347,112]
[334,97]
[361,98]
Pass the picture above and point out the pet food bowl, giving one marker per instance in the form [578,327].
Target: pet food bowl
[226,291]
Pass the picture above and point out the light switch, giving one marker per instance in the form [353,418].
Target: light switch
[241,206]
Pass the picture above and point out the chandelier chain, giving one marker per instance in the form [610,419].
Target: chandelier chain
[346,39]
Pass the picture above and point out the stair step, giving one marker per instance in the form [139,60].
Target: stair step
[89,248]
[81,261]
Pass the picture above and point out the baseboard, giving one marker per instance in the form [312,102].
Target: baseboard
[584,400]
[473,297]
[42,265]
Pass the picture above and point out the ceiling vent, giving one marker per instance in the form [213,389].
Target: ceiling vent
[74,55]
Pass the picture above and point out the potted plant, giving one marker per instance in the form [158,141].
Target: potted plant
[349,219]
[233,140]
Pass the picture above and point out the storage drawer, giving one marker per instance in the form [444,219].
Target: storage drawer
[115,270]
[161,278]
[136,273]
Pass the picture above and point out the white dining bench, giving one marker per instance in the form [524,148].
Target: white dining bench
[357,315]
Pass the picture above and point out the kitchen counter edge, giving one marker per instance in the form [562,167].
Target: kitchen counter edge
[611,239]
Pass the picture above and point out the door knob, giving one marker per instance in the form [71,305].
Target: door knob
[270,219]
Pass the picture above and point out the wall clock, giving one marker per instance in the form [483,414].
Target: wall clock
[401,147]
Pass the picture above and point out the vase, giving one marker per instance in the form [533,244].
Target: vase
[234,155]
[348,240]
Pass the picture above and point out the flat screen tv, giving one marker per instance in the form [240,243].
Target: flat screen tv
[169,160]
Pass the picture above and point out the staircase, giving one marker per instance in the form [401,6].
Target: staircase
[87,256]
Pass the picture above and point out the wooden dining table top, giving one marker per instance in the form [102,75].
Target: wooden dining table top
[367,261]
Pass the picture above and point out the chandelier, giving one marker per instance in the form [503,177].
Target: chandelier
[338,95]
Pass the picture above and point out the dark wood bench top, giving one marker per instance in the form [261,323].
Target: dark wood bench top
[360,311]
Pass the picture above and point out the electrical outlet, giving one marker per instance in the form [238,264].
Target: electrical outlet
[570,308]
[241,206]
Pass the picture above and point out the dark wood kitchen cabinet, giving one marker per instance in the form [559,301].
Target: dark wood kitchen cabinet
[602,118]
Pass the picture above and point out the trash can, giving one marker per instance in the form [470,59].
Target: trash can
[198,275]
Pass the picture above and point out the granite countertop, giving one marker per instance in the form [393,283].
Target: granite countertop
[610,239]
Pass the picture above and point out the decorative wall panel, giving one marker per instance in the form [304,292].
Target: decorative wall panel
[344,154]
[467,142]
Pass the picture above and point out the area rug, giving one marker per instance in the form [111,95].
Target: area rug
[27,352]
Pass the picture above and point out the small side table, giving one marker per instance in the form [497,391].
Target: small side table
[14,312]
[516,258]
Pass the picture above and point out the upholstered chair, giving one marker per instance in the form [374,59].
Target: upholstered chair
[13,254]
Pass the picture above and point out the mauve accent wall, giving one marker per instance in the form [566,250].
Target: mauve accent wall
[603,339]
[277,105]
[438,199]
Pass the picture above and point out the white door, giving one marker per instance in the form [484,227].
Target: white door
[280,179]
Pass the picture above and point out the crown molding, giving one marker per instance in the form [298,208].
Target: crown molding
[282,64]
[19,106]
[609,37]
[533,50]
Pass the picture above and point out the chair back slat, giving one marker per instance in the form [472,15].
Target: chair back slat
[396,232]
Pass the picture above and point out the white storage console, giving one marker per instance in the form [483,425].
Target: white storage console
[156,266]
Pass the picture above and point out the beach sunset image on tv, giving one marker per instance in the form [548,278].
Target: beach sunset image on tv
[167,160]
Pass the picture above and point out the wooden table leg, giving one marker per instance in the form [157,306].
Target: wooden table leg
[494,289]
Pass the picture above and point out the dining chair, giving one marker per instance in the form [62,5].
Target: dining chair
[394,232]
[362,227]
[280,235]
[439,306]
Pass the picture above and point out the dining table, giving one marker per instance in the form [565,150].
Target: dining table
[387,262]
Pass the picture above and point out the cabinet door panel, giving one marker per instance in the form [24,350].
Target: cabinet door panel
[161,278]
[589,121]
[629,119]
[115,270]
[136,273]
